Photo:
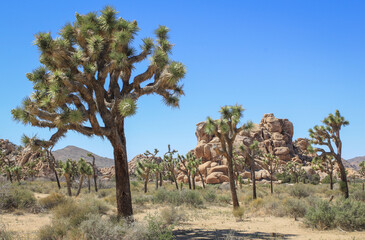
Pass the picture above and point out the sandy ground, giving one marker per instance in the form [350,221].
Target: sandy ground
[207,223]
[218,222]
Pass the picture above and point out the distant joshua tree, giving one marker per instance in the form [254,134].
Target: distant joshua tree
[270,163]
[95,171]
[251,154]
[171,164]
[145,167]
[226,129]
[67,171]
[326,164]
[84,170]
[328,136]
[362,172]
[87,83]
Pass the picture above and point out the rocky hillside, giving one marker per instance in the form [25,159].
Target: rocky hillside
[76,153]
[356,161]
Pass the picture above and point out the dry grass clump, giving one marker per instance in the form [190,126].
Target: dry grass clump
[53,200]
[13,196]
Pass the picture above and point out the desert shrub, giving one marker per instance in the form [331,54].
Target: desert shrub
[172,215]
[192,198]
[13,197]
[96,227]
[104,193]
[69,215]
[299,190]
[358,195]
[256,203]
[320,216]
[238,213]
[5,234]
[158,230]
[210,196]
[350,215]
[142,199]
[52,200]
[295,208]
[224,198]
[177,198]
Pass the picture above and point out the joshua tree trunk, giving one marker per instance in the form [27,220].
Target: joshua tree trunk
[344,184]
[52,162]
[68,182]
[193,180]
[231,177]
[145,184]
[201,178]
[80,185]
[161,179]
[271,185]
[95,175]
[253,177]
[189,180]
[174,179]
[88,183]
[331,180]
[157,180]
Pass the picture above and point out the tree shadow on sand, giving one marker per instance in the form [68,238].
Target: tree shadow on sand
[203,234]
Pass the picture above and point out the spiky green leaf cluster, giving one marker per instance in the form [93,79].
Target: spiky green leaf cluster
[127,107]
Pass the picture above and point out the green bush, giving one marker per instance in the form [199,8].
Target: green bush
[178,198]
[299,190]
[358,195]
[295,208]
[53,200]
[224,198]
[13,197]
[142,199]
[158,230]
[210,196]
[69,215]
[350,215]
[321,215]
[95,227]
[172,215]
[4,233]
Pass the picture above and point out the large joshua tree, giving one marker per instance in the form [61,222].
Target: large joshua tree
[226,129]
[85,83]
[328,136]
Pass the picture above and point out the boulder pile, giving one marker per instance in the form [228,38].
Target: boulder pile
[274,136]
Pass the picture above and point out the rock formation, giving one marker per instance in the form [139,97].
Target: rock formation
[274,136]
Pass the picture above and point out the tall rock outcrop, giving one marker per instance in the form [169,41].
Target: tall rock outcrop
[273,134]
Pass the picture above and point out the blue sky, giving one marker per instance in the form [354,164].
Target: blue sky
[297,59]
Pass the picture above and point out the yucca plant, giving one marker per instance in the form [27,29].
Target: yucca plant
[95,171]
[67,170]
[270,163]
[328,136]
[171,164]
[252,153]
[226,129]
[145,167]
[326,164]
[84,170]
[85,83]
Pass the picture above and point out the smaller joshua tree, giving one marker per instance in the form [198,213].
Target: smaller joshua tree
[270,163]
[328,136]
[84,170]
[146,167]
[295,169]
[226,129]
[251,153]
[326,164]
[184,167]
[67,171]
[193,166]
[95,171]
[171,164]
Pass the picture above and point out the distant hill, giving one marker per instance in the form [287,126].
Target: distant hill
[76,153]
[356,161]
